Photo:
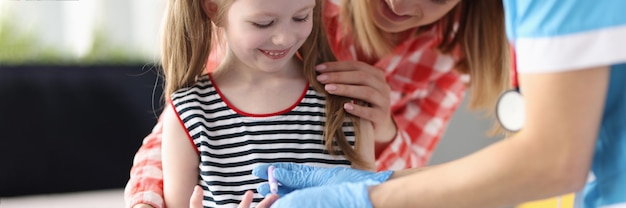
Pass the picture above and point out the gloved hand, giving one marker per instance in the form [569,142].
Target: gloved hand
[338,195]
[292,176]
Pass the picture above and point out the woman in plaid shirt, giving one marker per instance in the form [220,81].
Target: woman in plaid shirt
[410,60]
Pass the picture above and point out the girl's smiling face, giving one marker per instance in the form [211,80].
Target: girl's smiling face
[266,34]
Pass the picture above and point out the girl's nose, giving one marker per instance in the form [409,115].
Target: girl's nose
[284,37]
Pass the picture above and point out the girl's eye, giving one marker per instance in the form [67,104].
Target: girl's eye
[266,25]
[263,25]
[439,1]
[303,19]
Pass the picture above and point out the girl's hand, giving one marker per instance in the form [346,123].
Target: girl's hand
[196,199]
[364,82]
[265,203]
[142,206]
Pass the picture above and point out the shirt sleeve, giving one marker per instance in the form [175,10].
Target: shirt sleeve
[421,123]
[557,35]
[426,91]
[145,185]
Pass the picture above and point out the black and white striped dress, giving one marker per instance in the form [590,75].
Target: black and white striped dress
[232,143]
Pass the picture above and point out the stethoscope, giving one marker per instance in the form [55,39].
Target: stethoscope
[510,107]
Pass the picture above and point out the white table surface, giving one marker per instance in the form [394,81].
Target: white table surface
[88,199]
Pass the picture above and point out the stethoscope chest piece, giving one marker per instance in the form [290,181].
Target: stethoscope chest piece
[510,110]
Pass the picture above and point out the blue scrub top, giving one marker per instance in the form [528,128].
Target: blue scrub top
[562,35]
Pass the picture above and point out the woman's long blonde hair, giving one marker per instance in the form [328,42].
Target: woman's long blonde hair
[187,41]
[480,36]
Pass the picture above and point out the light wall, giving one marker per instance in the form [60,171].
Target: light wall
[466,133]
[70,26]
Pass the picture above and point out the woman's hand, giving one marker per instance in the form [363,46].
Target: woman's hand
[196,199]
[364,82]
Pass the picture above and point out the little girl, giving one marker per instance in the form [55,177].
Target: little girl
[261,105]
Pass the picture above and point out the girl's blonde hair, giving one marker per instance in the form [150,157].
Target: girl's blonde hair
[480,36]
[187,41]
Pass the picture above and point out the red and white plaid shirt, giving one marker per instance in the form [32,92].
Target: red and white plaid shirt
[425,92]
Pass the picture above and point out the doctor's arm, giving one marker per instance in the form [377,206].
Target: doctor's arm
[551,155]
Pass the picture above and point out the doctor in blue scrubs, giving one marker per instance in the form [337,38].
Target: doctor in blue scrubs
[571,65]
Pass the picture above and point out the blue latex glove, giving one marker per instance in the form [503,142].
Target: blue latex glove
[338,195]
[292,176]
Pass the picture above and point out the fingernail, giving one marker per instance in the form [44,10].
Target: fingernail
[320,67]
[348,106]
[322,77]
[330,87]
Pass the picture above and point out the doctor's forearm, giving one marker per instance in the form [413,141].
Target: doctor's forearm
[551,155]
[479,180]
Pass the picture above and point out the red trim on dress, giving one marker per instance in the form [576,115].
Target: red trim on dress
[240,112]
[185,127]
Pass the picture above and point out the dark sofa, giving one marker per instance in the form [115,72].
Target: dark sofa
[73,128]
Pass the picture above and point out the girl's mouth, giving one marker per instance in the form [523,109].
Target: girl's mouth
[275,54]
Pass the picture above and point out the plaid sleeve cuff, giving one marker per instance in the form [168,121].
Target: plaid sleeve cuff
[146,197]
[400,154]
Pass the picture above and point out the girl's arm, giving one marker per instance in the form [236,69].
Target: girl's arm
[180,162]
[550,156]
[145,186]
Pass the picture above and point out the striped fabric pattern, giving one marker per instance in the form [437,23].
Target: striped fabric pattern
[230,144]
